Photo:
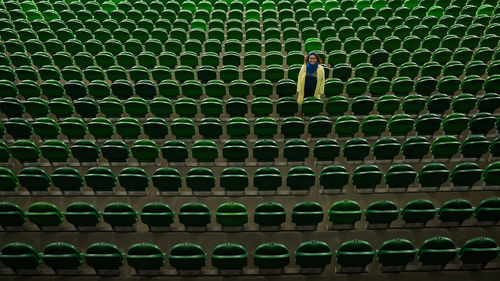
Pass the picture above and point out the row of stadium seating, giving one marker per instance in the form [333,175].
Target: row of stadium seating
[437,251]
[112,107]
[263,127]
[364,177]
[232,214]
[442,149]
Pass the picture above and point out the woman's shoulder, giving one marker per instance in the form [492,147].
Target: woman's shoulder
[320,68]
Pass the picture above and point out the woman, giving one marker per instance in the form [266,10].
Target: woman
[311,80]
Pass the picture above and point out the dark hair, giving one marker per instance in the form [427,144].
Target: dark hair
[314,54]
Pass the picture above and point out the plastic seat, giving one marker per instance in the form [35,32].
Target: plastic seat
[20,256]
[265,150]
[418,211]
[307,214]
[44,214]
[474,146]
[194,214]
[437,251]
[187,256]
[400,176]
[119,214]
[444,147]
[157,214]
[235,150]
[396,252]
[300,178]
[229,256]
[354,253]
[100,179]
[465,174]
[344,212]
[60,255]
[145,150]
[25,151]
[236,106]
[238,127]
[269,214]
[128,127]
[267,178]
[145,256]
[261,106]
[231,214]
[55,151]
[381,212]
[319,126]
[456,210]
[200,179]
[480,250]
[373,125]
[104,256]
[18,128]
[366,177]
[133,179]
[313,254]
[82,214]
[271,256]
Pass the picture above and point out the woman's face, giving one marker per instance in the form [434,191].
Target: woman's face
[312,59]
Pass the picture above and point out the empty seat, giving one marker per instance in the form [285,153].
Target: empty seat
[456,210]
[466,174]
[200,179]
[82,214]
[300,178]
[60,255]
[356,149]
[480,250]
[313,254]
[267,178]
[166,179]
[12,215]
[269,214]
[194,214]
[381,212]
[20,256]
[366,177]
[174,151]
[133,179]
[234,179]
[104,256]
[271,256]
[354,253]
[44,214]
[344,212]
[436,251]
[157,214]
[396,252]
[232,214]
[400,176]
[145,256]
[418,211]
[187,256]
[119,214]
[307,214]
[229,256]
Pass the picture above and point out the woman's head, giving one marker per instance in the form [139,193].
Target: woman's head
[312,58]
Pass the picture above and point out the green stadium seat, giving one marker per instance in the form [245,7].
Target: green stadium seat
[55,151]
[100,179]
[444,147]
[326,149]
[354,254]
[396,253]
[381,213]
[25,151]
[265,127]
[418,211]
[145,256]
[128,128]
[104,257]
[44,214]
[62,256]
[465,174]
[366,177]
[271,256]
[82,214]
[145,150]
[238,127]
[235,150]
[265,150]
[229,256]
[436,251]
[344,213]
[261,106]
[18,128]
[313,254]
[194,214]
[269,214]
[231,214]
[307,214]
[187,256]
[356,149]
[480,250]
[386,148]
[157,214]
[456,211]
[20,256]
[200,179]
[267,178]
[115,151]
[119,214]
